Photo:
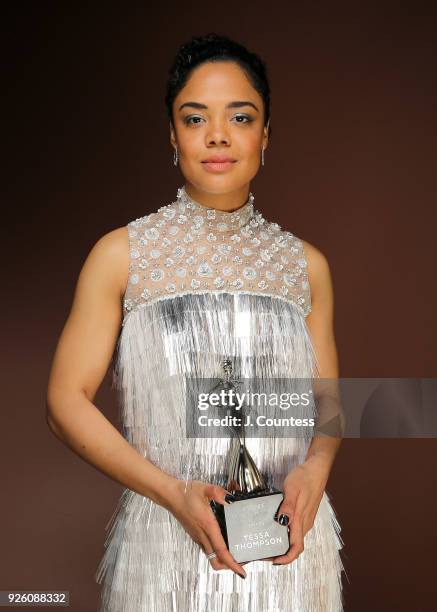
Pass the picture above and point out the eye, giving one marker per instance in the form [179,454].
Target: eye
[246,117]
[187,120]
[196,119]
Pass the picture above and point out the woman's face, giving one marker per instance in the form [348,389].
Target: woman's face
[219,113]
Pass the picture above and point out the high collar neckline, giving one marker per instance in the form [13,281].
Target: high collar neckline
[227,220]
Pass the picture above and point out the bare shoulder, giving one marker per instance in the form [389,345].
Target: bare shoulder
[92,327]
[319,274]
[108,260]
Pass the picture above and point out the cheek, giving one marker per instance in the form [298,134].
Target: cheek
[193,147]
[250,146]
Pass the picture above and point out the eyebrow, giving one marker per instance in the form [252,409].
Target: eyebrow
[236,104]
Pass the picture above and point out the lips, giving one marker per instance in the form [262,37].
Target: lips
[218,163]
[218,159]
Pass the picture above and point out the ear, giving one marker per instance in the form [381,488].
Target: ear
[266,135]
[172,135]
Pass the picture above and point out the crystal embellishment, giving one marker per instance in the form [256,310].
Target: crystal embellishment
[186,247]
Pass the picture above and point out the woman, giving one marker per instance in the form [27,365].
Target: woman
[177,290]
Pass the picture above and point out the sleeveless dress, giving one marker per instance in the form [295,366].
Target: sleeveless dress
[206,285]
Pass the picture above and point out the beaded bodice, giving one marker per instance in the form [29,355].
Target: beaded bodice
[185,247]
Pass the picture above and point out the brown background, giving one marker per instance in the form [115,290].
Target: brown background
[350,168]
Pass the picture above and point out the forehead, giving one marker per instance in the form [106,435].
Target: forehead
[216,83]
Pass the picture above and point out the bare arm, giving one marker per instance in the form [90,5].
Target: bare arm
[320,322]
[305,484]
[81,359]
[80,363]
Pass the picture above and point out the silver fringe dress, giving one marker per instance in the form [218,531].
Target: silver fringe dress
[205,285]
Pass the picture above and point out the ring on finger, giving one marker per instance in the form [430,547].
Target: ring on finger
[212,555]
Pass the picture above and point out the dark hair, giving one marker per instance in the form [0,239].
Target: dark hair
[215,48]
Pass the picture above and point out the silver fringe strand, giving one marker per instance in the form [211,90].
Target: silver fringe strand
[150,564]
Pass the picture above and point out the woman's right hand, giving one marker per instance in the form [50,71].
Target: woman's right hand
[190,506]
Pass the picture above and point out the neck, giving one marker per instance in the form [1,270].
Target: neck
[222,220]
[226,202]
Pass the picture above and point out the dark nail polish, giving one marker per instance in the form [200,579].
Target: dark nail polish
[230,498]
[241,576]
[283,519]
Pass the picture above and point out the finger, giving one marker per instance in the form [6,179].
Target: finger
[217,564]
[221,495]
[288,505]
[308,523]
[208,548]
[296,541]
[218,494]
[218,544]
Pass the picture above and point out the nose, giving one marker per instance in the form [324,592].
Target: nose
[217,134]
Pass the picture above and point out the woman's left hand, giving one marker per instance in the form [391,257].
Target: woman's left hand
[303,491]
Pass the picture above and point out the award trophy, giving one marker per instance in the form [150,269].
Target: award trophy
[247,524]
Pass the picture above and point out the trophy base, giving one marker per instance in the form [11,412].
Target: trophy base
[248,526]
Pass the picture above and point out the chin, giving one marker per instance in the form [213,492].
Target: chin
[220,183]
[214,184]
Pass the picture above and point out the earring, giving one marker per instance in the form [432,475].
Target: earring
[175,156]
[262,156]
